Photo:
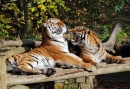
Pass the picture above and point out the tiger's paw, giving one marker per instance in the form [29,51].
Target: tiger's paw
[95,64]
[89,67]
[50,72]
[121,61]
[118,61]
[59,64]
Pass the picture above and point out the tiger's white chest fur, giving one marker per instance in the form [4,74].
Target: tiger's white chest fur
[61,43]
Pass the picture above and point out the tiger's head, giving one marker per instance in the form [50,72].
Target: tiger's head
[54,28]
[77,35]
[80,35]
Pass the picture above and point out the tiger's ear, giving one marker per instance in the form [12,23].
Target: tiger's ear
[44,24]
[88,30]
[72,29]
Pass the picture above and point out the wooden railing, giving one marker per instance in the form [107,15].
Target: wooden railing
[7,79]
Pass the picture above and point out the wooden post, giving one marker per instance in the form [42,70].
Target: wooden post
[3,83]
[90,81]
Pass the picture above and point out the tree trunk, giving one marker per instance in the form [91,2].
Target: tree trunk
[112,39]
[28,22]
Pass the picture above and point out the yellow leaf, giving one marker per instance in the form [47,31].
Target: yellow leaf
[49,0]
[43,0]
[42,7]
[51,6]
[33,9]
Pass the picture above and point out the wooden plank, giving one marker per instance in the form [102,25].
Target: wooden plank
[3,81]
[68,73]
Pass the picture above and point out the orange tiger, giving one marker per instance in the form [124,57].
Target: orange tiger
[53,50]
[91,47]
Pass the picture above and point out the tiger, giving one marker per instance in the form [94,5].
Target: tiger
[91,47]
[52,51]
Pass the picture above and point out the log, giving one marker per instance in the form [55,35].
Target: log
[18,43]
[14,51]
[3,81]
[112,39]
[67,74]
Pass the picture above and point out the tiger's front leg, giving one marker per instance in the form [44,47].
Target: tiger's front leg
[87,59]
[74,61]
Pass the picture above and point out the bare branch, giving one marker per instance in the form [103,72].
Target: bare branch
[112,39]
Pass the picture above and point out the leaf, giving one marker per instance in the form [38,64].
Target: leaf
[33,9]
[117,8]
[8,26]
[42,7]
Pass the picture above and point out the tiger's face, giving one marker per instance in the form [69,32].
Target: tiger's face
[54,27]
[78,35]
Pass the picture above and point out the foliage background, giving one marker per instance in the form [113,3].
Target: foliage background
[21,19]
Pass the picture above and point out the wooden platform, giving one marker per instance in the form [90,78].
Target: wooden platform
[67,74]
[61,74]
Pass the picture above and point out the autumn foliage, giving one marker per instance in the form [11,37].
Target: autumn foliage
[21,19]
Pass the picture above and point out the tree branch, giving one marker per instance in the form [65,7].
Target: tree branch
[112,39]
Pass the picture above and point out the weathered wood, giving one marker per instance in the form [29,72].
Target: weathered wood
[18,43]
[3,81]
[14,51]
[68,73]
[90,81]
[112,39]
[16,79]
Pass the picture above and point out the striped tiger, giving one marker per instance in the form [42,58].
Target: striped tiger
[91,47]
[52,51]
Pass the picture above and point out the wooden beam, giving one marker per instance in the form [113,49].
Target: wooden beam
[3,81]
[14,51]
[68,73]
[18,43]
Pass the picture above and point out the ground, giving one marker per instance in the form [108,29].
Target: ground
[114,81]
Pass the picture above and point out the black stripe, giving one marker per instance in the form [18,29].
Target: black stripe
[102,53]
[30,65]
[48,61]
[15,61]
[49,27]
[35,57]
[33,60]
[82,36]
[8,60]
[57,41]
